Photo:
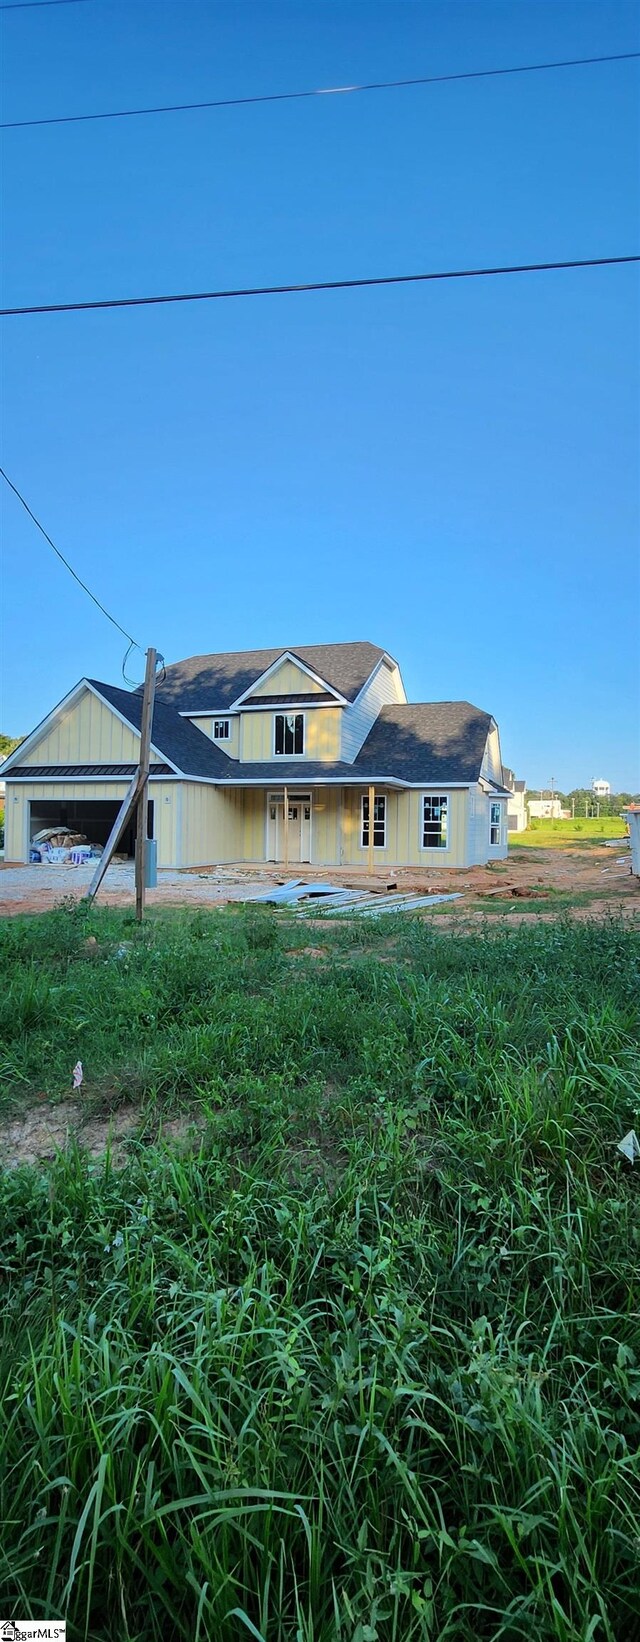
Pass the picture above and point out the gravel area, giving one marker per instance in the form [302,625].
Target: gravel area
[36,888]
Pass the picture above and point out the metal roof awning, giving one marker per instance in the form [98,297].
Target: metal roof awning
[74,772]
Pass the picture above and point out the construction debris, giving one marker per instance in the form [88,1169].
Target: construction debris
[334,898]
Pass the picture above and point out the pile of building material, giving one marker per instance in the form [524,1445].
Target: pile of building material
[55,844]
[334,899]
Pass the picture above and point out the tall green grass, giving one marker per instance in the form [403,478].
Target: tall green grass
[365,1366]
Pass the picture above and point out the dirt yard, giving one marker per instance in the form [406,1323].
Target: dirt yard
[534,883]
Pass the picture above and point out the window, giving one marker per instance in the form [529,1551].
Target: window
[495,824]
[221,729]
[434,822]
[379,822]
[289,734]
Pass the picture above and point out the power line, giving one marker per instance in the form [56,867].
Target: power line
[132,642]
[29,5]
[312,285]
[320,91]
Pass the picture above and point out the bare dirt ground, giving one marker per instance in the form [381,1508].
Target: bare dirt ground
[35,1135]
[591,881]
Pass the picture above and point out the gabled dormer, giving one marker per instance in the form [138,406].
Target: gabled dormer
[315,702]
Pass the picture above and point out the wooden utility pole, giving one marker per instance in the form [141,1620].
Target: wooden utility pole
[145,754]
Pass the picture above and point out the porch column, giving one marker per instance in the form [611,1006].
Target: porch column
[372,796]
[286,826]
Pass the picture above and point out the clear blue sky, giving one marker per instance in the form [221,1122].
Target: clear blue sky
[448,470]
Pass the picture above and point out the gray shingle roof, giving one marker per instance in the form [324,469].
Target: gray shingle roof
[427,741]
[203,683]
[179,741]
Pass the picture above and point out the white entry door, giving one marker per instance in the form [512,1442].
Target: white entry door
[299,810]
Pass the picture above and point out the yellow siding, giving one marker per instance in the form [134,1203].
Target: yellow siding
[325,826]
[254,831]
[206,725]
[211,825]
[286,680]
[199,825]
[404,832]
[322,736]
[86,733]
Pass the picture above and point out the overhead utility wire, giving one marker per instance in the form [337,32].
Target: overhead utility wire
[315,285]
[319,91]
[133,644]
[31,5]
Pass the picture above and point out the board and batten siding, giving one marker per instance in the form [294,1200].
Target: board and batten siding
[287,680]
[211,825]
[321,738]
[404,831]
[383,688]
[86,732]
[205,722]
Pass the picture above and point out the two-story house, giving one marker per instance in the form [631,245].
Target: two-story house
[299,755]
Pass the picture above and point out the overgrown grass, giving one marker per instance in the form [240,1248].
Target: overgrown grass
[364,1368]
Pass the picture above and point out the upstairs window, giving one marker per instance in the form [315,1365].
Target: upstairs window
[435,815]
[495,824]
[221,729]
[379,822]
[289,734]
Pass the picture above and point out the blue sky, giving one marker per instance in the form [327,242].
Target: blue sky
[448,470]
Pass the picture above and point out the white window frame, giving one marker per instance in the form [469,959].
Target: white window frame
[380,798]
[221,729]
[441,798]
[495,807]
[285,716]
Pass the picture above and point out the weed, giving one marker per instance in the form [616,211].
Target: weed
[363,1364]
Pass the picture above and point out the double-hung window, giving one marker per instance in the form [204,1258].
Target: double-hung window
[495,823]
[379,821]
[435,815]
[288,734]
[221,729]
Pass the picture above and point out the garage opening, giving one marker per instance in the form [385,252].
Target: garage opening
[93,817]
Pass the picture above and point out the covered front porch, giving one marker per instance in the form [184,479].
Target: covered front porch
[370,826]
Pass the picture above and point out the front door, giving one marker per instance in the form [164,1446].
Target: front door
[299,827]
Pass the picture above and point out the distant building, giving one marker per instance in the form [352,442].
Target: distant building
[601,789]
[546,809]
[516,806]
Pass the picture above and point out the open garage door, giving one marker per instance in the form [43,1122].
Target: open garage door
[93,817]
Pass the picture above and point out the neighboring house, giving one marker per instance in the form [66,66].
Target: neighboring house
[309,755]
[517,819]
[546,809]
[601,789]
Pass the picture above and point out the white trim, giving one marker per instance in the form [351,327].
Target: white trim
[285,715]
[390,663]
[274,707]
[289,655]
[443,849]
[210,712]
[276,796]
[364,799]
[37,735]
